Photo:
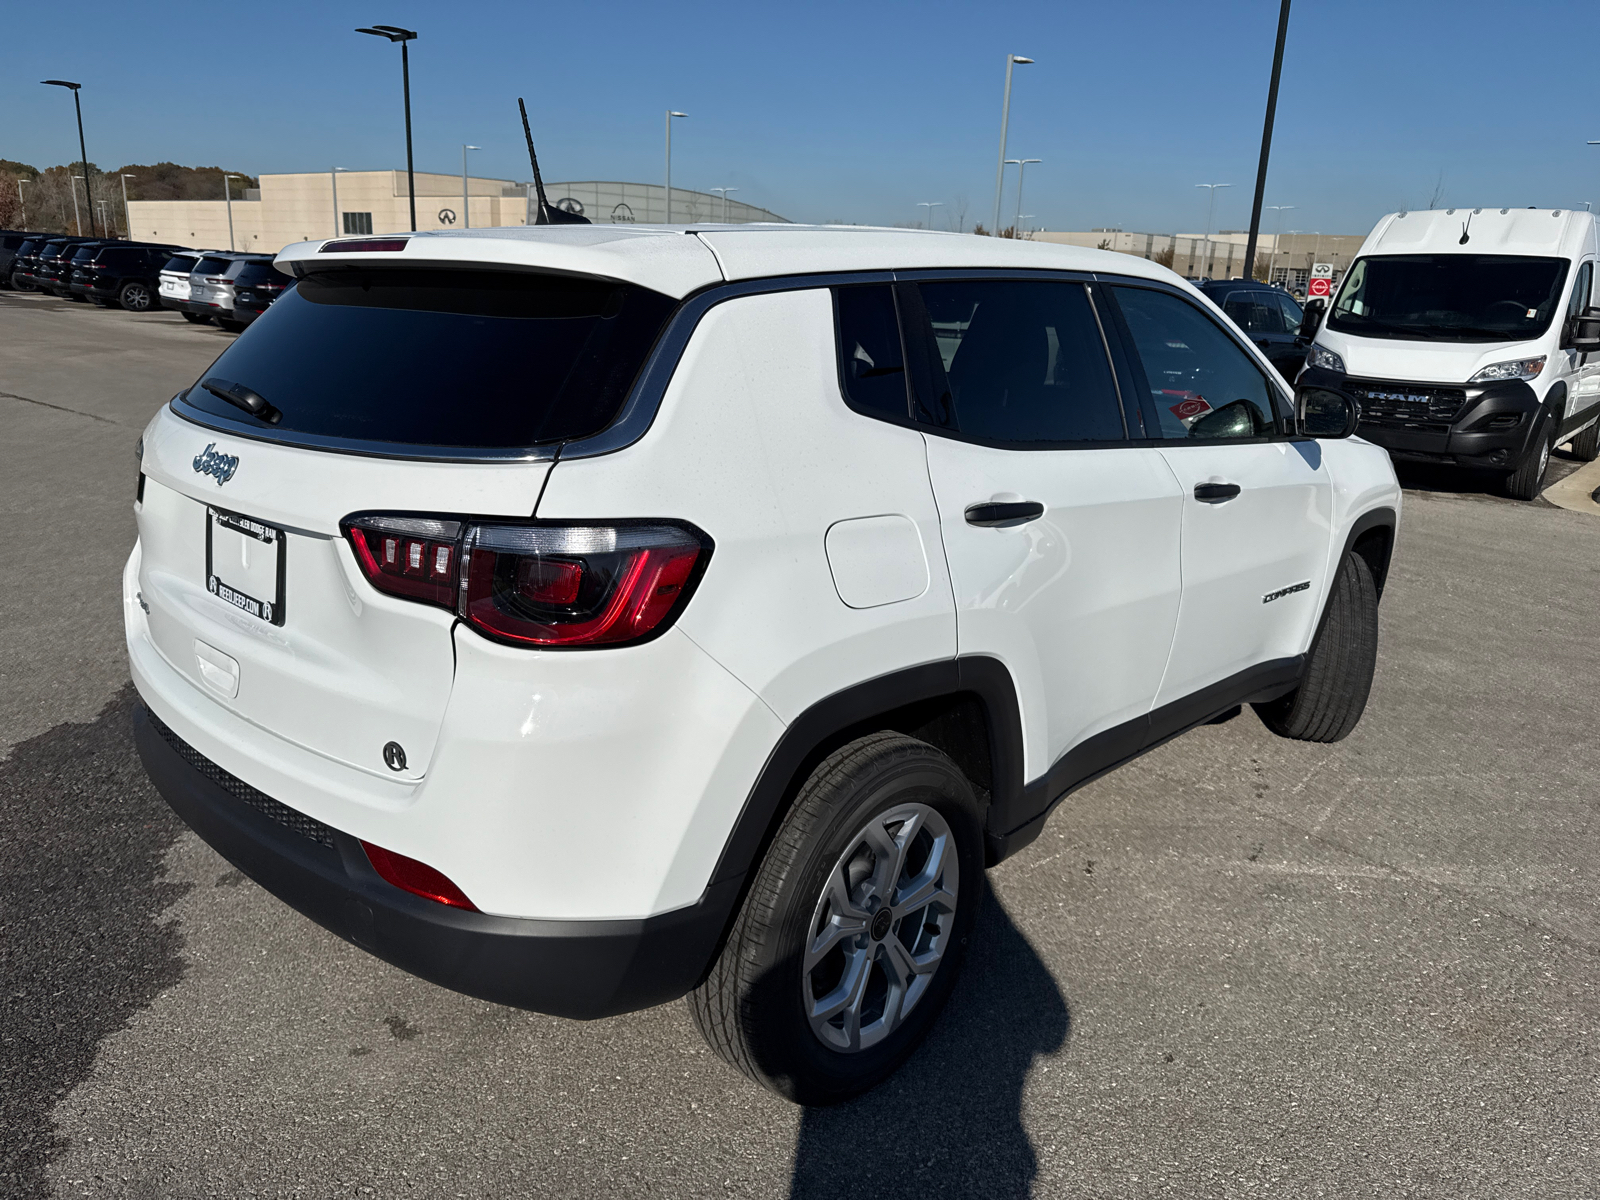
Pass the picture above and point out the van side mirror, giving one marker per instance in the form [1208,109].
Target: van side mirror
[1322,412]
[1585,334]
[1311,318]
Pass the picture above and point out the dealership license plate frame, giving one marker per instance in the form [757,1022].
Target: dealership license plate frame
[269,611]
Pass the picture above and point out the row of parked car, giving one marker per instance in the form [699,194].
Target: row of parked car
[206,286]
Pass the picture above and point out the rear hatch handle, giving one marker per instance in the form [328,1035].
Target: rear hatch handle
[238,395]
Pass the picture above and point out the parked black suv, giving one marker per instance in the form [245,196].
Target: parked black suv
[1269,317]
[121,274]
[257,285]
[56,275]
[39,264]
[12,243]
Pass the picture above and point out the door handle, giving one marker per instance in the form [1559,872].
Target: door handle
[1001,513]
[1215,493]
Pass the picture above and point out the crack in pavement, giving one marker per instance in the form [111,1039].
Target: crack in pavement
[59,408]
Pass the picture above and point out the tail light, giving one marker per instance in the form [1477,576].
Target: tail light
[545,585]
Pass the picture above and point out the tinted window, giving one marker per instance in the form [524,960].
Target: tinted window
[1293,314]
[1580,290]
[1254,312]
[213,266]
[11,242]
[870,361]
[260,272]
[181,263]
[1449,297]
[1198,382]
[1022,362]
[444,358]
[29,247]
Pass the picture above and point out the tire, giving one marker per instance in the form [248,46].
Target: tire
[136,297]
[1587,444]
[1338,676]
[21,284]
[1527,481]
[760,1007]
[195,318]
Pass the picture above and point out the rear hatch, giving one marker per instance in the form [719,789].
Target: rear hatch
[175,277]
[206,279]
[438,393]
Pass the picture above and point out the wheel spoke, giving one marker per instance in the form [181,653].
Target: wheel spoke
[928,887]
[905,966]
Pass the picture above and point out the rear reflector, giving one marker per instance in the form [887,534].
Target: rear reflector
[364,246]
[542,585]
[417,878]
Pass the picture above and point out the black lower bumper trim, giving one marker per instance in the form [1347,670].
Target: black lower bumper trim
[580,969]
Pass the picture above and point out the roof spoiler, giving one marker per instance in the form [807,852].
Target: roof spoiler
[548,214]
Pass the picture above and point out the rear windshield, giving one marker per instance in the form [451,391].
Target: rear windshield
[482,359]
[181,263]
[1449,297]
[29,247]
[213,266]
[260,272]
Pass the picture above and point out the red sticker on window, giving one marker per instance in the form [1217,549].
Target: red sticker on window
[1194,406]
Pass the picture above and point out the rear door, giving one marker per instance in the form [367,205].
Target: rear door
[1257,505]
[1061,536]
[405,393]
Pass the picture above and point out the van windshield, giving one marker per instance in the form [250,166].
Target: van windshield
[443,358]
[1450,297]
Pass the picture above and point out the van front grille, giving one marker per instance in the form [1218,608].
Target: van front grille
[1403,404]
[264,804]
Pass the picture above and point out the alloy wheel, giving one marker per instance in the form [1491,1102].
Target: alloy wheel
[135,298]
[880,928]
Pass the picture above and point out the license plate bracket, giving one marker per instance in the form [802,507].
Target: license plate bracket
[246,560]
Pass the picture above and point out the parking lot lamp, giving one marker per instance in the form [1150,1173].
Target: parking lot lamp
[670,115]
[1022,165]
[21,201]
[127,220]
[723,191]
[466,212]
[83,153]
[930,205]
[338,225]
[395,34]
[1211,208]
[77,215]
[1266,143]
[227,194]
[1005,120]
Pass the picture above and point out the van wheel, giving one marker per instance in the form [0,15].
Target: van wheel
[855,927]
[1587,444]
[1338,675]
[1527,481]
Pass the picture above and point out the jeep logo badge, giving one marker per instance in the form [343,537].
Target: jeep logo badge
[219,466]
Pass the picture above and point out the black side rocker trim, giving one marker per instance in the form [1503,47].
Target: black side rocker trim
[578,969]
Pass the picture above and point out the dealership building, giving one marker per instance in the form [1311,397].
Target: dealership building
[322,204]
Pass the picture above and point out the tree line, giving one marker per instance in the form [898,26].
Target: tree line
[54,200]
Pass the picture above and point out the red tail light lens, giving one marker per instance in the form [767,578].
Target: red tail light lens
[365,246]
[415,877]
[549,585]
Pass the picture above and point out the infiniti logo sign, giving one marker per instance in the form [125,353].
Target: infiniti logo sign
[219,466]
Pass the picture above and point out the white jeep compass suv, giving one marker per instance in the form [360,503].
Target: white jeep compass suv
[584,617]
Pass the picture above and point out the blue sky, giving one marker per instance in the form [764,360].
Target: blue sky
[853,111]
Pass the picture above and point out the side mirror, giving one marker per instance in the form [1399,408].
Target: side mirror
[1311,319]
[1321,412]
[1585,335]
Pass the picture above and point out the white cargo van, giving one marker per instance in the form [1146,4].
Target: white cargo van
[1469,338]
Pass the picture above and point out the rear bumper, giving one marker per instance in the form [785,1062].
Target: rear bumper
[177,305]
[580,969]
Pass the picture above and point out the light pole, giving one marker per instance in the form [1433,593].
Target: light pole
[1005,120]
[127,219]
[723,192]
[1210,211]
[466,212]
[395,34]
[333,175]
[227,194]
[77,217]
[1266,143]
[1022,165]
[20,182]
[83,153]
[930,205]
[1277,234]
[670,115]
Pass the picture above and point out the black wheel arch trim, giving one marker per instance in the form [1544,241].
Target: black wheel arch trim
[1379,557]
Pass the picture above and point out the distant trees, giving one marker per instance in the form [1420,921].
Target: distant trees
[44,201]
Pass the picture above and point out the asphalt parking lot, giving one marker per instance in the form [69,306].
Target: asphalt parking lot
[1240,967]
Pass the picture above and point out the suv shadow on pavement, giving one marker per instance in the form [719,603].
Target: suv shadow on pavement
[1449,480]
[949,1122]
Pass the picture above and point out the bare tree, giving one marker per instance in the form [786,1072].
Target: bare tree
[959,211]
[1435,200]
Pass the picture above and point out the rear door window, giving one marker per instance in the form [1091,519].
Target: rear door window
[1019,363]
[482,359]
[871,365]
[1254,312]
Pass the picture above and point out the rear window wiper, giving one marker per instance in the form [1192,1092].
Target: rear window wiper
[239,396]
